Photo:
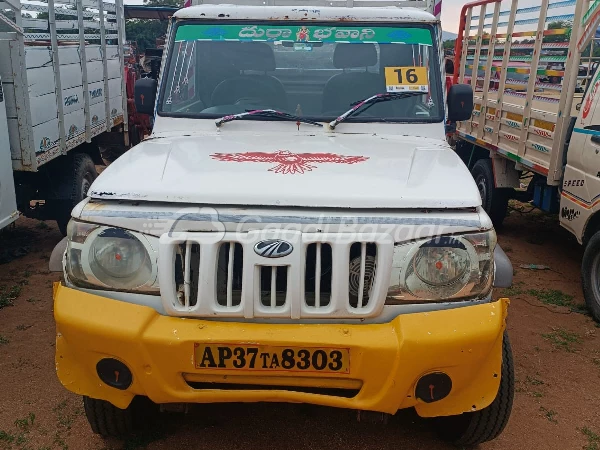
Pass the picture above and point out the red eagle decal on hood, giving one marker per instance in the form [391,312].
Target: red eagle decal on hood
[288,162]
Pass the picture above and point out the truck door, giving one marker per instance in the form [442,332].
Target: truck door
[8,204]
[580,196]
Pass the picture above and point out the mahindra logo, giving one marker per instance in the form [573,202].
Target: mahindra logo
[273,248]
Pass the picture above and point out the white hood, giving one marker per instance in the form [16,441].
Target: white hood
[319,171]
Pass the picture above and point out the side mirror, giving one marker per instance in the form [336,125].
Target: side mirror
[145,95]
[460,102]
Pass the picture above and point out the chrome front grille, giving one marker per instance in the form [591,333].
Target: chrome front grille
[317,275]
[326,275]
[363,264]
[229,274]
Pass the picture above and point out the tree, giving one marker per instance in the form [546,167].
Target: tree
[145,32]
[560,25]
[449,44]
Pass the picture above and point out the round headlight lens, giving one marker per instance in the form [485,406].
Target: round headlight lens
[119,260]
[439,269]
[440,266]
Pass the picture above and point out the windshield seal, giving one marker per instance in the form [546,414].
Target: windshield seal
[436,75]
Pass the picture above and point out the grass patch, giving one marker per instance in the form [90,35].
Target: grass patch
[23,327]
[42,226]
[58,440]
[21,439]
[533,381]
[4,340]
[549,414]
[593,439]
[552,297]
[562,339]
[580,308]
[558,298]
[514,290]
[7,437]
[25,423]
[537,394]
[65,416]
[32,300]
[8,296]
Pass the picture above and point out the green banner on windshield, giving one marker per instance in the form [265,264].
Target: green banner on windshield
[381,35]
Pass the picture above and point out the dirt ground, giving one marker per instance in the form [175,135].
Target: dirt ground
[557,355]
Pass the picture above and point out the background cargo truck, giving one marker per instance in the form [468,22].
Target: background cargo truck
[61,67]
[540,143]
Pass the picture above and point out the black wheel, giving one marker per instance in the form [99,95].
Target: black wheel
[470,429]
[590,275]
[494,200]
[83,175]
[106,419]
[109,421]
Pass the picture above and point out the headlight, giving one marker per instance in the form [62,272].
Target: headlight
[111,258]
[446,268]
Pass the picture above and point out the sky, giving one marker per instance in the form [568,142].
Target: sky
[451,11]
[450,14]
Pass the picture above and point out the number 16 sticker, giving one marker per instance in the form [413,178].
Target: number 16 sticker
[402,79]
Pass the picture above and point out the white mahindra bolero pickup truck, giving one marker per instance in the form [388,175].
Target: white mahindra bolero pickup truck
[295,229]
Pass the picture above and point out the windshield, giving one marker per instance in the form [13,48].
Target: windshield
[316,71]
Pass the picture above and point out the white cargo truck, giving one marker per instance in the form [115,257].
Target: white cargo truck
[61,68]
[539,127]
[295,229]
[8,201]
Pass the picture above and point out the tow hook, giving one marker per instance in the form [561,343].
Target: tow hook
[372,417]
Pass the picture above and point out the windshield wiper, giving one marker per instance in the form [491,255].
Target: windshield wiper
[265,113]
[362,105]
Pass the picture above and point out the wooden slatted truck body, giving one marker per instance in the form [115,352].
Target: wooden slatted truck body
[548,129]
[61,67]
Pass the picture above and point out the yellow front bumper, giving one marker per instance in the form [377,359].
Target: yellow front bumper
[387,360]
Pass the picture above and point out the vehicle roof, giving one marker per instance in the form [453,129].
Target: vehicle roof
[334,14]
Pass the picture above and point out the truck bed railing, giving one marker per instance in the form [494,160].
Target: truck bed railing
[524,66]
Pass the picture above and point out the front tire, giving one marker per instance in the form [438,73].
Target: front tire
[474,428]
[83,175]
[590,275]
[106,419]
[493,199]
